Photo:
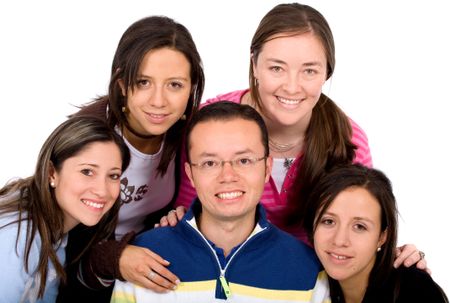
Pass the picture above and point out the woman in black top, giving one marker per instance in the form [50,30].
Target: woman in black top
[352,221]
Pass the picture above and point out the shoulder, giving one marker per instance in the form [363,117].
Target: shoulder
[9,226]
[161,238]
[359,138]
[356,129]
[168,242]
[291,264]
[417,284]
[234,96]
[11,233]
[291,247]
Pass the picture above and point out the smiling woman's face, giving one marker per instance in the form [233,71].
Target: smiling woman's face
[348,234]
[88,184]
[291,70]
[161,93]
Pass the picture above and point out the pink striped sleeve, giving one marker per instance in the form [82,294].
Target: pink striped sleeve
[359,138]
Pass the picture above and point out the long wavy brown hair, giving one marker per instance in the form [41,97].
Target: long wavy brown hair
[34,199]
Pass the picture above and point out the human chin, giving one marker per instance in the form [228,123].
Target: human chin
[159,128]
[91,219]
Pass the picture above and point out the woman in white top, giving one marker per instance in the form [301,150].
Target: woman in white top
[156,84]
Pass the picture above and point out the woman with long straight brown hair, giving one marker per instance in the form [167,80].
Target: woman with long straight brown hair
[77,180]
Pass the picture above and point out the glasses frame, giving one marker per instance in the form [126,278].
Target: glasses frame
[222,163]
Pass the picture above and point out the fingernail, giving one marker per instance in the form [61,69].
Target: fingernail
[167,261]
[174,287]
[177,281]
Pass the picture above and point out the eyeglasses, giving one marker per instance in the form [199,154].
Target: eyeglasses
[240,165]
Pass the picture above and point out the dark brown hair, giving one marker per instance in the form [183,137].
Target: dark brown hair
[328,136]
[147,34]
[225,111]
[378,185]
[35,201]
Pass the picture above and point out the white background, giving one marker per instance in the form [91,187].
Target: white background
[392,77]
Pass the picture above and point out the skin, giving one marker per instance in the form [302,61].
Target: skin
[159,98]
[346,240]
[88,184]
[229,197]
[290,83]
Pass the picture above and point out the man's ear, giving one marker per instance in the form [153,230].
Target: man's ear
[188,170]
[269,164]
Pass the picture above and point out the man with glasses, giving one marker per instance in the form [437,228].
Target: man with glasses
[224,248]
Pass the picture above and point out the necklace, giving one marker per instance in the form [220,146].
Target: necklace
[281,148]
[136,133]
[288,163]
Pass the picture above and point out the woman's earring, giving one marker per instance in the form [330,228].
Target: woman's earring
[124,109]
[52,184]
[256,82]
[378,249]
[183,117]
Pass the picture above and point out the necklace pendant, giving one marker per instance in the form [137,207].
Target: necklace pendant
[288,163]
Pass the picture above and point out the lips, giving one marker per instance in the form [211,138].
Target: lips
[94,204]
[156,118]
[229,195]
[339,257]
[288,101]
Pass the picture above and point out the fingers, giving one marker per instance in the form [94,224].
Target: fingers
[172,218]
[175,215]
[163,278]
[153,281]
[180,211]
[164,221]
[159,267]
[422,264]
[136,264]
[405,255]
[399,257]
[408,255]
[422,255]
[156,257]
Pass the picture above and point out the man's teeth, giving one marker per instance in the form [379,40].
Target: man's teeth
[231,195]
[339,257]
[288,101]
[93,204]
